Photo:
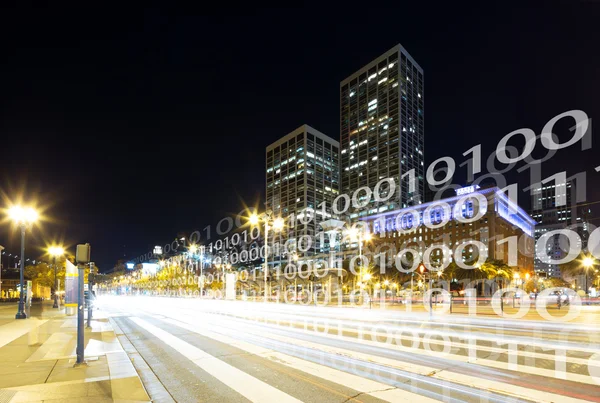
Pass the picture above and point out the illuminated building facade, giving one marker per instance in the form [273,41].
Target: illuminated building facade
[302,173]
[458,220]
[382,129]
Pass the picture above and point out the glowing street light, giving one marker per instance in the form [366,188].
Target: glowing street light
[22,217]
[254,220]
[55,251]
[278,224]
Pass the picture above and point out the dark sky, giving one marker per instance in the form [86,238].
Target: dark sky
[131,124]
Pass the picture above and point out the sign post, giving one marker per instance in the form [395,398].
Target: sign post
[90,288]
[82,256]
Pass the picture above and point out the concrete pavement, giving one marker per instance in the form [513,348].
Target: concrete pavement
[38,357]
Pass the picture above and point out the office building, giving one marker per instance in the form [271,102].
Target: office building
[302,173]
[382,129]
[554,207]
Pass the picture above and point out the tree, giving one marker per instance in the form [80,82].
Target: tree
[43,273]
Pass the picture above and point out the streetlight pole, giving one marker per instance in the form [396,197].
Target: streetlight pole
[21,310]
[1,249]
[278,225]
[22,217]
[588,263]
[55,285]
[266,257]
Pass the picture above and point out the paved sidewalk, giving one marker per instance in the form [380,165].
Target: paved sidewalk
[37,358]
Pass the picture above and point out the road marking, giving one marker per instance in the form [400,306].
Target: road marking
[445,375]
[427,337]
[512,364]
[545,344]
[366,386]
[246,385]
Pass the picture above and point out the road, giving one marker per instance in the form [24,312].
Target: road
[192,350]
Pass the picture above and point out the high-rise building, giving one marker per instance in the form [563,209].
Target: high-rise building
[554,207]
[302,172]
[382,130]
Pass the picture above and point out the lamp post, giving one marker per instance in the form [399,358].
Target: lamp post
[55,251]
[359,236]
[22,216]
[588,263]
[278,225]
[1,249]
[422,270]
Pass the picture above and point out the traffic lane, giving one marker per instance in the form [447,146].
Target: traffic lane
[186,382]
[462,344]
[407,381]
[509,377]
[576,332]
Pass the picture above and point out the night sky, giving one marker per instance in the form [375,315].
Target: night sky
[130,125]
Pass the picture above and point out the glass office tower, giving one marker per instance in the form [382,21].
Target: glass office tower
[382,130]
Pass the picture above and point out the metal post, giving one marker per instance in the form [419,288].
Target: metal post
[1,249]
[430,297]
[90,287]
[266,255]
[55,287]
[80,315]
[21,310]
[202,274]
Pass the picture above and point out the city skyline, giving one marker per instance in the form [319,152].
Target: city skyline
[137,158]
[394,204]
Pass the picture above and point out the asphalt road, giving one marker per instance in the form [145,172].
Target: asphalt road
[192,350]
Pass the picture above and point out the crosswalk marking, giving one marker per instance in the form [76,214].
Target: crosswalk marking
[246,385]
[550,373]
[366,386]
[446,375]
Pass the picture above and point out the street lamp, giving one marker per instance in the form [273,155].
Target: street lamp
[55,251]
[358,235]
[588,263]
[278,225]
[22,216]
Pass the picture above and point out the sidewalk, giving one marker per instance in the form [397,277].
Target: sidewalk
[38,357]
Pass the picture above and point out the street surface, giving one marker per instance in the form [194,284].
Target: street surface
[193,350]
